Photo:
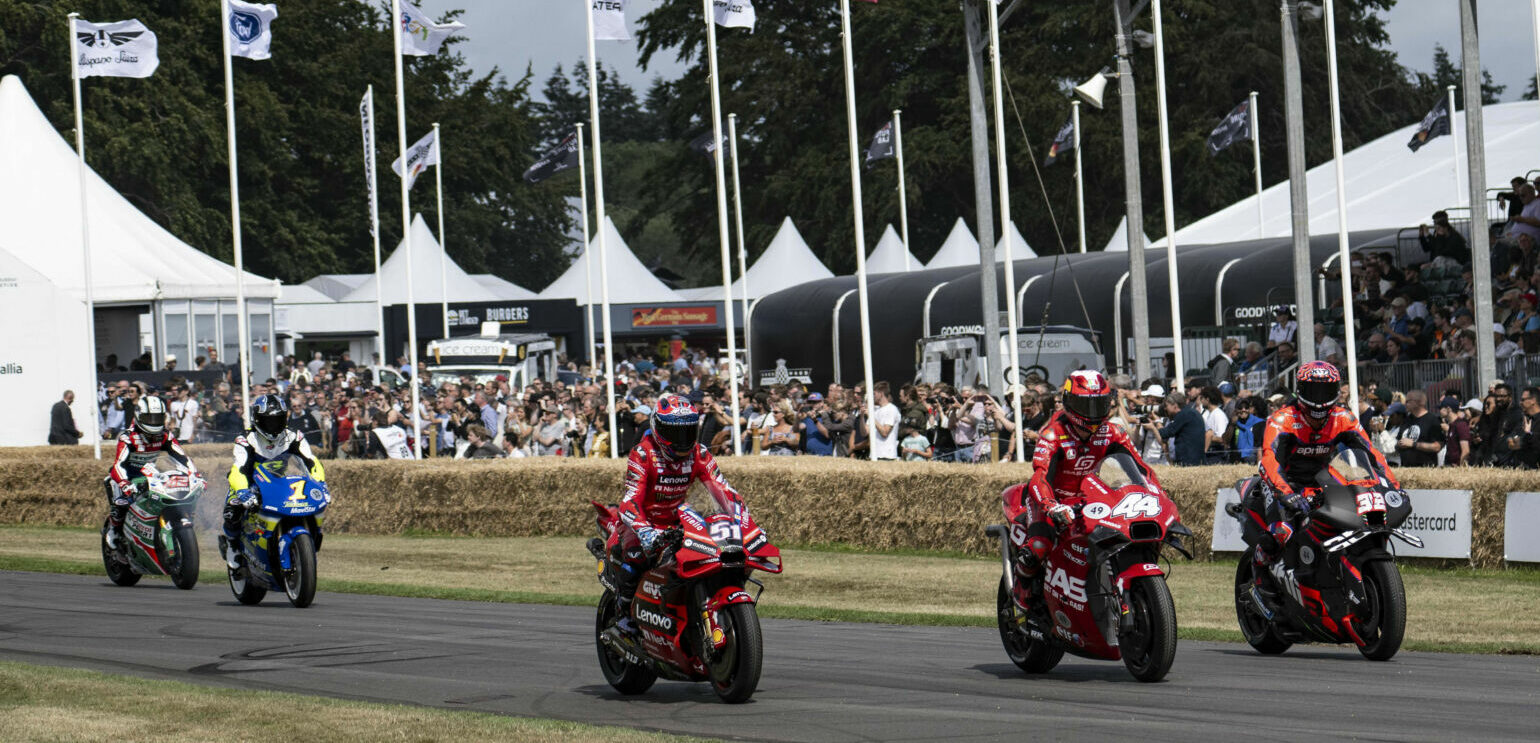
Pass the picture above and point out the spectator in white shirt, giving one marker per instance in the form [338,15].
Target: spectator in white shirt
[1215,422]
[885,424]
[1283,328]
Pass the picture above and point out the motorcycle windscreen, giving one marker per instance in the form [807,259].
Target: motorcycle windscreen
[1118,471]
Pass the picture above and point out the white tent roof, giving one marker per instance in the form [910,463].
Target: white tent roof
[302,294]
[1388,185]
[961,248]
[426,257]
[503,288]
[786,262]
[630,281]
[888,256]
[337,285]
[1020,250]
[1119,241]
[133,259]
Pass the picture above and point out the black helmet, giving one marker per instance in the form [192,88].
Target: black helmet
[269,418]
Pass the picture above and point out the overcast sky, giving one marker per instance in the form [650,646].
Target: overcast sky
[513,34]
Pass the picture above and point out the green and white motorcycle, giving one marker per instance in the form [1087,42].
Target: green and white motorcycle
[158,537]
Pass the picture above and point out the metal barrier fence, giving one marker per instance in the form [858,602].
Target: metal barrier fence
[1433,376]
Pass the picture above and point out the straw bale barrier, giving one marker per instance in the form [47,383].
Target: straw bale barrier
[802,500]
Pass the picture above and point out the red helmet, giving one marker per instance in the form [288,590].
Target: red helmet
[1087,399]
[1316,388]
[675,425]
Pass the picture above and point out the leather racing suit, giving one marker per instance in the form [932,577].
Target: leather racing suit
[250,454]
[1059,464]
[137,452]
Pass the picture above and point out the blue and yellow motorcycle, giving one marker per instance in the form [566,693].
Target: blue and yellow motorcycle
[280,538]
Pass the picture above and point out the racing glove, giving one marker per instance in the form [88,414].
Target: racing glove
[1296,504]
[246,499]
[1060,515]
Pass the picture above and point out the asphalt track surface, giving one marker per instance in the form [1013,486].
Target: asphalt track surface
[822,681]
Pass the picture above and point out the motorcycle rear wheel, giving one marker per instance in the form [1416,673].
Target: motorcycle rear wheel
[1261,634]
[735,673]
[1387,597]
[1149,648]
[184,569]
[118,571]
[1032,656]
[299,579]
[625,677]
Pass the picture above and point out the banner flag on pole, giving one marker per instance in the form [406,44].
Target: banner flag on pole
[610,21]
[366,114]
[1236,127]
[250,26]
[1435,124]
[881,147]
[562,157]
[703,145]
[735,13]
[418,158]
[420,36]
[121,49]
[1063,142]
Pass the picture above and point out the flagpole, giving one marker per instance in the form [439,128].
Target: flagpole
[599,224]
[1165,183]
[721,175]
[443,246]
[903,198]
[85,240]
[1344,261]
[743,251]
[1454,136]
[1256,163]
[1074,115]
[406,230]
[588,266]
[860,226]
[243,355]
[374,228]
[1006,230]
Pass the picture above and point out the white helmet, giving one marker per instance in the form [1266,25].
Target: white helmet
[150,416]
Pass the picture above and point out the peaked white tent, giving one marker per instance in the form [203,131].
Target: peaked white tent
[961,248]
[1020,250]
[503,288]
[1119,241]
[630,281]
[889,255]
[1388,185]
[337,285]
[426,255]
[786,262]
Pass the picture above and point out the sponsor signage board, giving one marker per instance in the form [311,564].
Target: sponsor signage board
[674,317]
[1441,519]
[1227,531]
[1520,519]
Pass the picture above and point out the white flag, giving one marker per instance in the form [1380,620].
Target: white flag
[366,113]
[420,36]
[735,13]
[122,49]
[250,26]
[610,21]
[418,157]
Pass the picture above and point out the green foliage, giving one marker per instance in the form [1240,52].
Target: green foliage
[1447,73]
[161,141]
[785,82]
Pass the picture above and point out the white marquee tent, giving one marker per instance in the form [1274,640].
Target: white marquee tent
[786,262]
[630,281]
[1119,241]
[960,248]
[1388,185]
[889,255]
[427,256]
[1020,250]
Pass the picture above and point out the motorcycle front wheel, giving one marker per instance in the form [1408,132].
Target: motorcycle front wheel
[1149,646]
[620,674]
[735,670]
[1261,634]
[1032,656]
[118,570]
[299,579]
[1386,625]
[184,563]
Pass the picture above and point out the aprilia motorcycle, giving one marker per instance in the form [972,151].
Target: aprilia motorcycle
[279,540]
[1103,594]
[1336,580]
[694,618]
[158,536]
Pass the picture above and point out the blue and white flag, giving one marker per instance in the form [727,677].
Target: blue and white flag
[122,49]
[420,36]
[250,26]
[734,13]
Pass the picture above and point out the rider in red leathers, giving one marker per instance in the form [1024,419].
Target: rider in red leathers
[659,473]
[138,448]
[1070,447]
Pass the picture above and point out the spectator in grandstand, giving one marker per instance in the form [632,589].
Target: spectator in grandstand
[1510,198]
[1283,328]
[1326,347]
[1506,348]
[1443,241]
[1254,361]
[1373,350]
[1284,357]
[1250,423]
[1183,434]
[1221,368]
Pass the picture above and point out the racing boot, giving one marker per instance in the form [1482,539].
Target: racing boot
[626,589]
[115,527]
[230,547]
[1264,597]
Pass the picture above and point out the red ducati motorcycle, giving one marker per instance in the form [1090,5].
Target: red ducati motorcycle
[1103,594]
[1336,580]
[695,620]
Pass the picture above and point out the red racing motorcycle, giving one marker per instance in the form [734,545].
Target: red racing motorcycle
[1103,594]
[695,619]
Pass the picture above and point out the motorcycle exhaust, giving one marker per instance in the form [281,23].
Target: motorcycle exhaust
[999,531]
